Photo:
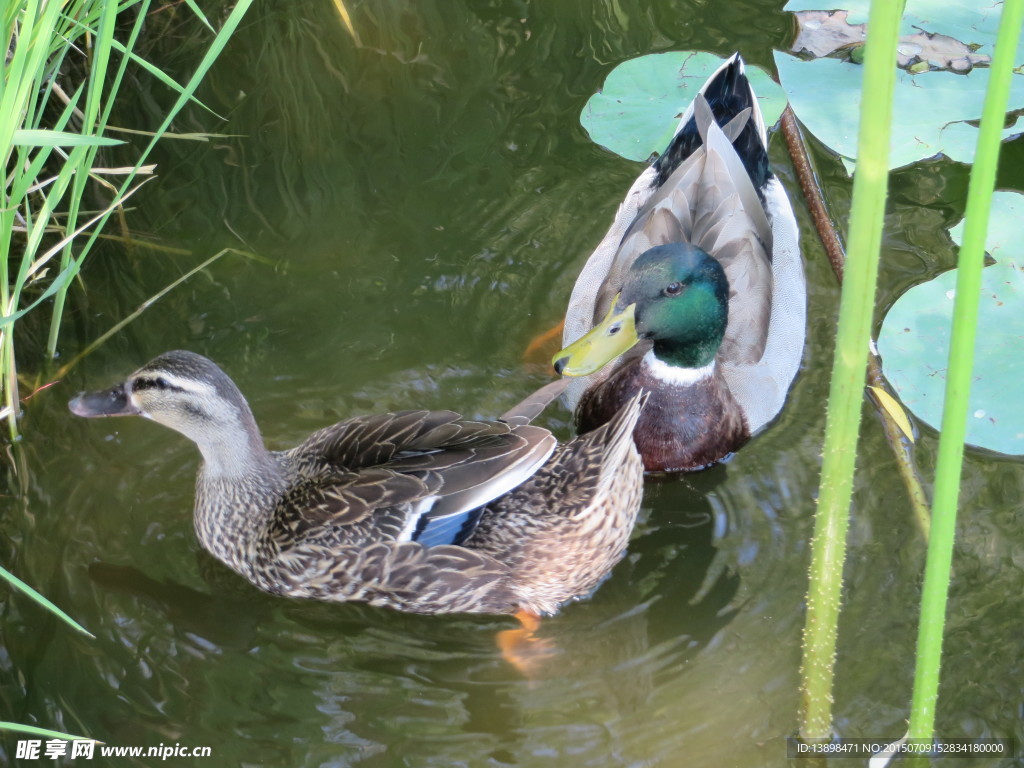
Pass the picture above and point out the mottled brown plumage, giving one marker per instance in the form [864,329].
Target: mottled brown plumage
[355,511]
[557,553]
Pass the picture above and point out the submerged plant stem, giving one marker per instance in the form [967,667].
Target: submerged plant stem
[828,549]
[958,376]
[836,253]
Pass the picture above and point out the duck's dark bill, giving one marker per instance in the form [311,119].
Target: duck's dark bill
[110,402]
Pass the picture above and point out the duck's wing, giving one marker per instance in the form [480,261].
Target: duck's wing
[531,407]
[373,441]
[453,519]
[396,475]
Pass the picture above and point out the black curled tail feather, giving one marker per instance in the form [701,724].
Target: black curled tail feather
[728,93]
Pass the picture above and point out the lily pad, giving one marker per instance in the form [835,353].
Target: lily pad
[973,22]
[637,111]
[822,33]
[914,340]
[825,95]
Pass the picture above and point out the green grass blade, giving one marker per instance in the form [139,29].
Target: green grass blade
[958,376]
[30,268]
[92,124]
[846,393]
[213,52]
[202,17]
[44,732]
[17,583]
[102,42]
[152,69]
[24,64]
[30,176]
[41,137]
[60,282]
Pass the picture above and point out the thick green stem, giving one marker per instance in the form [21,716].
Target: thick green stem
[856,309]
[958,376]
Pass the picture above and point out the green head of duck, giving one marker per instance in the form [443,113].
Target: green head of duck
[675,295]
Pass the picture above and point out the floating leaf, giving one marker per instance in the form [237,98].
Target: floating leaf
[825,94]
[637,111]
[973,22]
[914,340]
[892,407]
[821,33]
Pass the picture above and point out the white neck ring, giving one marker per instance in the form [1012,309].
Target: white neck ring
[672,374]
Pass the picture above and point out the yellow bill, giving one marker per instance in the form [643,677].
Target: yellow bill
[603,343]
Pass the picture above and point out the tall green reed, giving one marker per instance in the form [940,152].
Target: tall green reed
[846,394]
[958,376]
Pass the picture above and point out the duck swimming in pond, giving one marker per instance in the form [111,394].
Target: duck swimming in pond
[422,511]
[697,293]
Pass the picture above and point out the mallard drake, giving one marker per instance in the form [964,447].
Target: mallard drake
[696,294]
[422,511]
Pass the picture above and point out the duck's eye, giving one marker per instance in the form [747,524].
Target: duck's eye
[156,382]
[673,289]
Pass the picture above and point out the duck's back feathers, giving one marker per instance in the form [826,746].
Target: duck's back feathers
[562,531]
[728,93]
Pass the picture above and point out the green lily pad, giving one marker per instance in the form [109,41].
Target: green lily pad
[825,95]
[823,33]
[914,340]
[637,111]
[974,22]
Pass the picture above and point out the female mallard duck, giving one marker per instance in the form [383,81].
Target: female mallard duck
[423,511]
[697,292]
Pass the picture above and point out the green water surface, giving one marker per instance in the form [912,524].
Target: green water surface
[420,203]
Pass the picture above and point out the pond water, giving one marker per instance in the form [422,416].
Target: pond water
[419,204]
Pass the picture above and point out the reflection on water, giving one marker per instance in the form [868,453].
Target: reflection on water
[425,202]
